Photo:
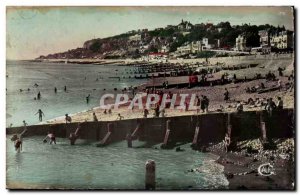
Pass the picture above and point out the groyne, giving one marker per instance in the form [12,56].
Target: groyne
[212,128]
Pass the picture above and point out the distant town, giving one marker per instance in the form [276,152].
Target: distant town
[186,41]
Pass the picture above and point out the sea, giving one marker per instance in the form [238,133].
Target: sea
[85,166]
[80,80]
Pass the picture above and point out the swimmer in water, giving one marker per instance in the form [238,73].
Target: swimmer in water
[51,136]
[65,88]
[88,98]
[41,113]
[55,90]
[39,95]
[75,135]
[18,140]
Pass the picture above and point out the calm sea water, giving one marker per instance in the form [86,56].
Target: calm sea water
[85,166]
[23,75]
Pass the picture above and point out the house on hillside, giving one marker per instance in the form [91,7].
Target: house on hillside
[240,43]
[283,40]
[136,37]
[185,26]
[264,41]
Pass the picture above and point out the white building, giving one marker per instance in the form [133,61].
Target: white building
[240,43]
[165,49]
[283,40]
[188,48]
[205,44]
[143,48]
[136,37]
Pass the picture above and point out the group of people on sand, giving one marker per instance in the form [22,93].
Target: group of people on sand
[272,106]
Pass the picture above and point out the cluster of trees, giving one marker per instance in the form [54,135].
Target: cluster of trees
[223,31]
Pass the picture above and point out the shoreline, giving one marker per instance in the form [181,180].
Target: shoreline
[241,168]
[124,61]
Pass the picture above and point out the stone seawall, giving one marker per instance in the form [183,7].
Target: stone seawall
[212,127]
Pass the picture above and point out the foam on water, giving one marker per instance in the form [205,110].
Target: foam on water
[85,166]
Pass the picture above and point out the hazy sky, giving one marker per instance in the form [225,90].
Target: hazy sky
[35,31]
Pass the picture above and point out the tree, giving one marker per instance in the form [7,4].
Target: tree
[95,46]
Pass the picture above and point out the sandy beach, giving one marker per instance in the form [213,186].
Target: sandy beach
[215,94]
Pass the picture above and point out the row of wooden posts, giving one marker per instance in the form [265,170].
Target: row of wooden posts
[134,135]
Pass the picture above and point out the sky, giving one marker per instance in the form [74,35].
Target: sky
[35,31]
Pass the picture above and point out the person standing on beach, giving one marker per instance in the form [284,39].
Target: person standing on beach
[41,113]
[25,125]
[95,119]
[206,103]
[279,103]
[226,95]
[146,112]
[239,107]
[202,103]
[156,111]
[68,119]
[270,106]
[120,117]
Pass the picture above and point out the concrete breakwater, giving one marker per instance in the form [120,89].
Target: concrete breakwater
[212,128]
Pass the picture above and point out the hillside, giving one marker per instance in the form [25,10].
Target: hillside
[136,43]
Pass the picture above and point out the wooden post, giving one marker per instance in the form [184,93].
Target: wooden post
[263,131]
[104,141]
[195,140]
[150,175]
[129,141]
[263,127]
[136,130]
[229,126]
[229,129]
[166,138]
